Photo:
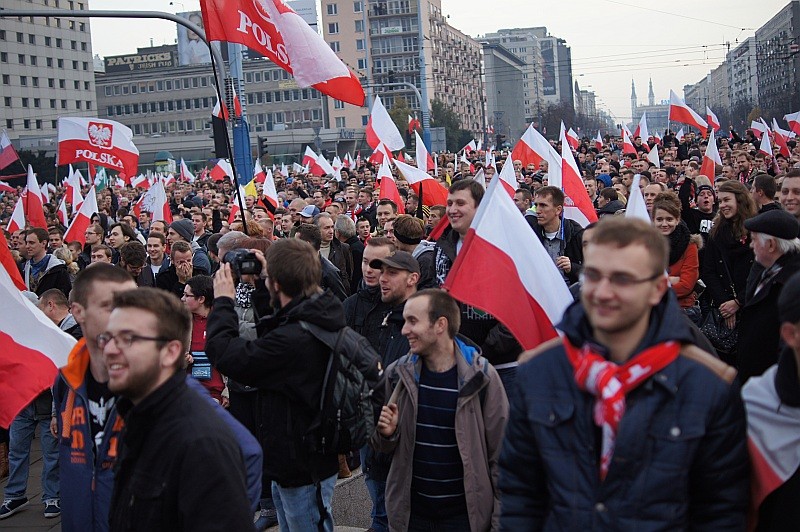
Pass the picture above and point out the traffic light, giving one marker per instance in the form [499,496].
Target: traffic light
[263,146]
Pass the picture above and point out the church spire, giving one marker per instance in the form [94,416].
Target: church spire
[651,97]
[633,98]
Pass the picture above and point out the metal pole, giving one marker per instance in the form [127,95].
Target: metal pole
[424,102]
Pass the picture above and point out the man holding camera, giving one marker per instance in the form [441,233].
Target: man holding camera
[287,364]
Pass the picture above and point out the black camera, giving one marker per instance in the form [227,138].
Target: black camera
[243,262]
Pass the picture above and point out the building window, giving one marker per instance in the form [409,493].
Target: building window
[48,41]
[338,104]
[341,122]
[359,26]
[358,7]
[73,44]
[362,64]
[34,61]
[58,42]
[38,124]
[360,45]
[74,65]
[35,81]
[54,124]
[315,114]
[9,123]
[20,37]
[52,103]
[51,82]
[83,47]
[88,105]
[6,79]
[60,63]
[2,35]
[7,101]
[62,84]
[21,59]
[3,57]
[37,102]
[333,28]
[23,80]
[333,9]
[76,84]
[87,85]
[49,62]
[26,124]
[24,102]
[78,104]
[335,46]
[85,65]
[364,120]
[31,39]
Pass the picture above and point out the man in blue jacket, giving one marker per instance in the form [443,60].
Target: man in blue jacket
[621,423]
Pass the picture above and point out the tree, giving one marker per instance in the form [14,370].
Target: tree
[442,115]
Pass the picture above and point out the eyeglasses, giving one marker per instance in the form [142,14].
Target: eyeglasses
[617,280]
[126,339]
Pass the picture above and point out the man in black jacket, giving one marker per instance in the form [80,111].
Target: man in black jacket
[332,277]
[561,237]
[345,230]
[176,451]
[43,271]
[287,364]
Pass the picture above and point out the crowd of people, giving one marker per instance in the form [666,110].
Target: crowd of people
[185,402]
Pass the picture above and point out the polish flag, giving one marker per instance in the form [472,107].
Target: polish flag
[259,176]
[5,187]
[235,209]
[82,218]
[62,213]
[348,160]
[7,263]
[17,220]
[713,121]
[269,191]
[186,175]
[274,30]
[781,138]
[433,194]
[470,147]
[388,187]
[93,140]
[627,145]
[765,147]
[682,113]
[759,127]
[8,155]
[140,181]
[534,148]
[33,349]
[424,159]
[327,169]
[220,109]
[508,178]
[598,142]
[221,170]
[69,182]
[155,202]
[573,139]
[679,135]
[793,119]
[480,177]
[641,128]
[657,138]
[652,157]
[76,199]
[337,166]
[45,193]
[466,161]
[381,129]
[34,206]
[577,205]
[380,154]
[636,207]
[168,181]
[413,124]
[711,159]
[79,179]
[528,293]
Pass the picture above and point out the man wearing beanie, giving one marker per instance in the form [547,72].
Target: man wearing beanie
[701,218]
[408,233]
[183,231]
[777,258]
[773,425]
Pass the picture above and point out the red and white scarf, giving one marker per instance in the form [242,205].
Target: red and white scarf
[610,383]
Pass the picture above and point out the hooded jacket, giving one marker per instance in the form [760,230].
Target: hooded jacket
[287,365]
[55,276]
[426,257]
[481,415]
[680,459]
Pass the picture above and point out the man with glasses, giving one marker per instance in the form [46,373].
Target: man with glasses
[622,420]
[176,452]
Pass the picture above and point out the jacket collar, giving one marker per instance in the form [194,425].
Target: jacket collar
[470,367]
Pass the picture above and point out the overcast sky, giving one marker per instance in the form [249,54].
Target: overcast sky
[612,42]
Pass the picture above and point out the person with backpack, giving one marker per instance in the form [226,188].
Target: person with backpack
[443,421]
[287,363]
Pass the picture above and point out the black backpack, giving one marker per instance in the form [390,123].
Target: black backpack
[345,421]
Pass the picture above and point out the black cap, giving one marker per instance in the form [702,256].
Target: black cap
[402,260]
[777,223]
[789,300]
[706,187]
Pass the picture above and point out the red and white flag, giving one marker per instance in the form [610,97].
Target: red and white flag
[577,205]
[413,124]
[642,131]
[712,119]
[627,144]
[220,109]
[759,127]
[683,114]
[652,157]
[793,119]
[480,177]
[271,28]
[45,190]
[186,175]
[33,349]
[573,139]
[765,147]
[155,202]
[269,191]
[433,193]
[259,176]
[34,206]
[679,135]
[508,178]
[17,220]
[710,159]
[221,170]
[82,218]
[337,166]
[381,129]
[97,141]
[140,181]
[781,138]
[62,213]
[598,142]
[379,155]
[8,155]
[168,181]
[388,187]
[5,187]
[470,147]
[424,159]
[636,206]
[534,148]
[528,293]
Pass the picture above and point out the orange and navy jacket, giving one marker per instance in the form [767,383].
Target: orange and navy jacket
[86,480]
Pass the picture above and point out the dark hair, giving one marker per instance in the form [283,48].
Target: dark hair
[211,243]
[441,305]
[408,226]
[311,234]
[667,201]
[261,244]
[173,320]
[766,184]
[126,229]
[160,236]
[745,209]
[381,241]
[621,232]
[133,254]
[475,189]
[202,286]
[56,296]
[98,273]
[55,230]
[555,193]
[609,193]
[181,246]
[388,202]
[200,213]
[526,194]
[295,266]
[41,234]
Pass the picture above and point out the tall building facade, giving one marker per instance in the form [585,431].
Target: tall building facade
[504,91]
[778,62]
[523,43]
[380,41]
[46,71]
[718,89]
[743,73]
[557,68]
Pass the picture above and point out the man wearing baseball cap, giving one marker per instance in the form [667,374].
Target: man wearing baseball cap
[777,256]
[772,401]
